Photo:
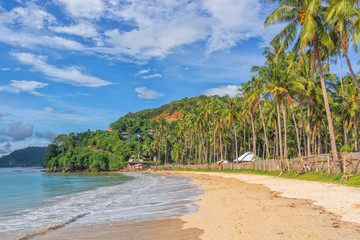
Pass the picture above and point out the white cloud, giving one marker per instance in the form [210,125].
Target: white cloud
[84,8]
[144,92]
[23,86]
[83,29]
[155,75]
[144,74]
[139,29]
[229,90]
[70,75]
[30,16]
[233,21]
[27,27]
[144,71]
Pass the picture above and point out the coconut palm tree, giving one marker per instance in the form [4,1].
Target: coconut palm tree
[306,29]
[341,15]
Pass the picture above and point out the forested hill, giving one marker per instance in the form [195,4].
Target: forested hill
[135,135]
[176,106]
[27,157]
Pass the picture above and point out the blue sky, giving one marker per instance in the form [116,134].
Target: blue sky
[72,65]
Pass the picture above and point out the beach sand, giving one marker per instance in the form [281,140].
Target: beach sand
[161,229]
[238,206]
[235,209]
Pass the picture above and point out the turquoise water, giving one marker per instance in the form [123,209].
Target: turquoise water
[23,188]
[33,202]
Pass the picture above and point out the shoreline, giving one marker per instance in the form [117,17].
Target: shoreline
[237,206]
[232,208]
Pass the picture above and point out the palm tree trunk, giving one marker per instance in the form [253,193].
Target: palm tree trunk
[221,147]
[200,147]
[276,142]
[326,141]
[308,130]
[265,136]
[341,80]
[303,130]
[356,124]
[214,145]
[285,133]
[327,109]
[346,133]
[191,145]
[244,138]
[351,71]
[253,133]
[236,146]
[166,156]
[319,141]
[279,130]
[296,130]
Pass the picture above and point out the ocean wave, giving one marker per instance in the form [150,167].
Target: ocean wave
[147,196]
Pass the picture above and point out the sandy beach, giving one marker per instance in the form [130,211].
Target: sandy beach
[238,206]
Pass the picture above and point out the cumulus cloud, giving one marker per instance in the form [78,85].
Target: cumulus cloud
[84,8]
[26,27]
[146,93]
[229,90]
[70,75]
[49,135]
[142,29]
[23,86]
[18,131]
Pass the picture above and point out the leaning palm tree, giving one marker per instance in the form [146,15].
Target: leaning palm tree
[306,29]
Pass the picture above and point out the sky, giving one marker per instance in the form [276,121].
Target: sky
[72,65]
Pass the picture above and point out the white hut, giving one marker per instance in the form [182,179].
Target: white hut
[246,157]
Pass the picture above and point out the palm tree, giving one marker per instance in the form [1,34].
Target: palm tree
[306,29]
[273,76]
[230,114]
[340,15]
[137,153]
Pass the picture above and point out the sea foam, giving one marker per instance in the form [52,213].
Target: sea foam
[147,196]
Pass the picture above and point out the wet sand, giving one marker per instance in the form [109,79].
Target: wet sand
[162,229]
[235,209]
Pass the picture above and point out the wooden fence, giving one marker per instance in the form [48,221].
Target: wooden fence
[349,163]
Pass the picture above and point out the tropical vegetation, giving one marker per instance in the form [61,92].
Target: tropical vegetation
[293,105]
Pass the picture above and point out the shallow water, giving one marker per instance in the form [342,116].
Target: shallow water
[35,202]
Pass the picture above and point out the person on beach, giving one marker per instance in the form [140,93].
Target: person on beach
[301,171]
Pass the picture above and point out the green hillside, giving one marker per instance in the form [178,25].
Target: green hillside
[130,138]
[27,157]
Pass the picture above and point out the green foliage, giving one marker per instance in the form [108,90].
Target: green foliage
[345,148]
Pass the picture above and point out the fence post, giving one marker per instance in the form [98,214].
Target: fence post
[344,163]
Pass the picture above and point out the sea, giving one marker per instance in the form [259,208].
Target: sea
[33,202]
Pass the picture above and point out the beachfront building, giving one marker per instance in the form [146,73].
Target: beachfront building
[246,157]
